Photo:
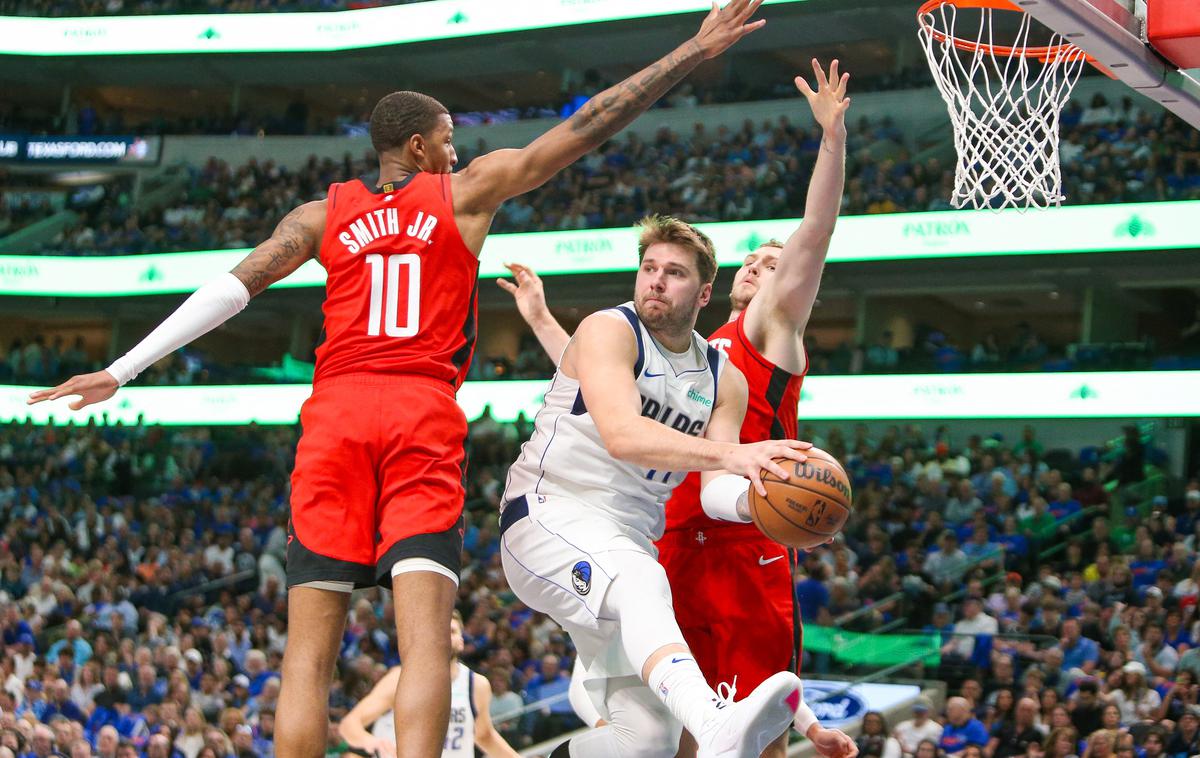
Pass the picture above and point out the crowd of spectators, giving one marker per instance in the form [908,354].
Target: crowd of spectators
[160,7]
[142,602]
[1065,610]
[756,171]
[299,117]
[935,349]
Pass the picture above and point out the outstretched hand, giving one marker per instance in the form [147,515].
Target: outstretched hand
[91,388]
[829,101]
[527,292]
[724,26]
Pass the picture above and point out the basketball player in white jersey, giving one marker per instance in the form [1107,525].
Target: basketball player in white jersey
[771,301]
[470,721]
[639,400]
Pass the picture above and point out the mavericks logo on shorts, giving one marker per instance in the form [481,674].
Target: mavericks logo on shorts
[581,577]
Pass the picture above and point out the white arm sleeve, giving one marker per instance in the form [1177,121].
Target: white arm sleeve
[207,308]
[805,718]
[720,497]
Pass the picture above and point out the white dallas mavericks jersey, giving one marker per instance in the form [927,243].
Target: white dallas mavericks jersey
[460,736]
[566,457]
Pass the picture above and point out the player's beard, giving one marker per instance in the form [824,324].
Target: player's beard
[676,317]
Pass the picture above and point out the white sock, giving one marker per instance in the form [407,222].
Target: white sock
[676,681]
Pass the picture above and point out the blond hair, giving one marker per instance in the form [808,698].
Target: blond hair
[656,228]
[772,243]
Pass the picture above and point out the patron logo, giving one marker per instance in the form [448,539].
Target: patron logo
[583,246]
[84,32]
[935,232]
[938,390]
[10,271]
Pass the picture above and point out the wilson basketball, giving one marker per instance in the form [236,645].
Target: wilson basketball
[807,508]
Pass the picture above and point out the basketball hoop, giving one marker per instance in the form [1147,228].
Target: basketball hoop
[1004,98]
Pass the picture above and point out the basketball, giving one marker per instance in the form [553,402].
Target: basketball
[808,507]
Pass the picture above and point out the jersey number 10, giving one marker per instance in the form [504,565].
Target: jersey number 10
[391,293]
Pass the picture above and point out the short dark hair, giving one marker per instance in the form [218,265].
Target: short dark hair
[400,115]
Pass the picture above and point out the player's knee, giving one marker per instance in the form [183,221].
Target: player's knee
[648,735]
[639,583]
[423,644]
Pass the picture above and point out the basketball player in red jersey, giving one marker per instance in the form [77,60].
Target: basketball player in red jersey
[377,490]
[732,586]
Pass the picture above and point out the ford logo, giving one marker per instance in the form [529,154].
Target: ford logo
[832,707]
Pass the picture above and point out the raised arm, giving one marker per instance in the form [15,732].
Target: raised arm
[602,355]
[493,178]
[353,726]
[531,303]
[296,239]
[787,298]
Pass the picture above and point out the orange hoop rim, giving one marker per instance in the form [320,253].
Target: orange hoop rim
[1044,53]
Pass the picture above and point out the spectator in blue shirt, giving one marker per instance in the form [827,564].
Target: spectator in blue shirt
[35,702]
[148,690]
[962,729]
[1064,503]
[73,641]
[257,671]
[552,683]
[1145,569]
[812,595]
[1080,655]
[59,703]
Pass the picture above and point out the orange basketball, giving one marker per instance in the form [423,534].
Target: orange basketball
[808,507]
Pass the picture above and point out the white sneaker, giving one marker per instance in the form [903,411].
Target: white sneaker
[743,730]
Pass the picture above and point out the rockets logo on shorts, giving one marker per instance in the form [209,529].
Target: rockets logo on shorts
[581,577]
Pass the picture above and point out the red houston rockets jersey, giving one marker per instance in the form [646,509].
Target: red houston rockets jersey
[401,292]
[771,413]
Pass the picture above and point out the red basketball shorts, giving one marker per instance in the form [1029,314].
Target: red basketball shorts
[378,478]
[735,603]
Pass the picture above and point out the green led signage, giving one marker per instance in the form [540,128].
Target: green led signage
[1140,394]
[893,236]
[316,32]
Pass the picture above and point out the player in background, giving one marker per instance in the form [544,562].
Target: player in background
[732,586]
[470,722]
[639,399]
[381,455]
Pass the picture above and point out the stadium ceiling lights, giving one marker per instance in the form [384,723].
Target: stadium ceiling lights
[1074,395]
[883,237]
[318,31]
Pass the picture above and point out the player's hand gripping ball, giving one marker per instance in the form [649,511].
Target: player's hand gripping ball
[809,507]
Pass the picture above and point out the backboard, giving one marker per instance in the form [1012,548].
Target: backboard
[1114,33]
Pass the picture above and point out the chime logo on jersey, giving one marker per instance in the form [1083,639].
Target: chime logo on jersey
[581,577]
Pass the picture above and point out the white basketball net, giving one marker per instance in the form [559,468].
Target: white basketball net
[1005,108]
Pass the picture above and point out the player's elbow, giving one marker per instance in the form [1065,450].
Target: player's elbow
[618,444]
[485,738]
